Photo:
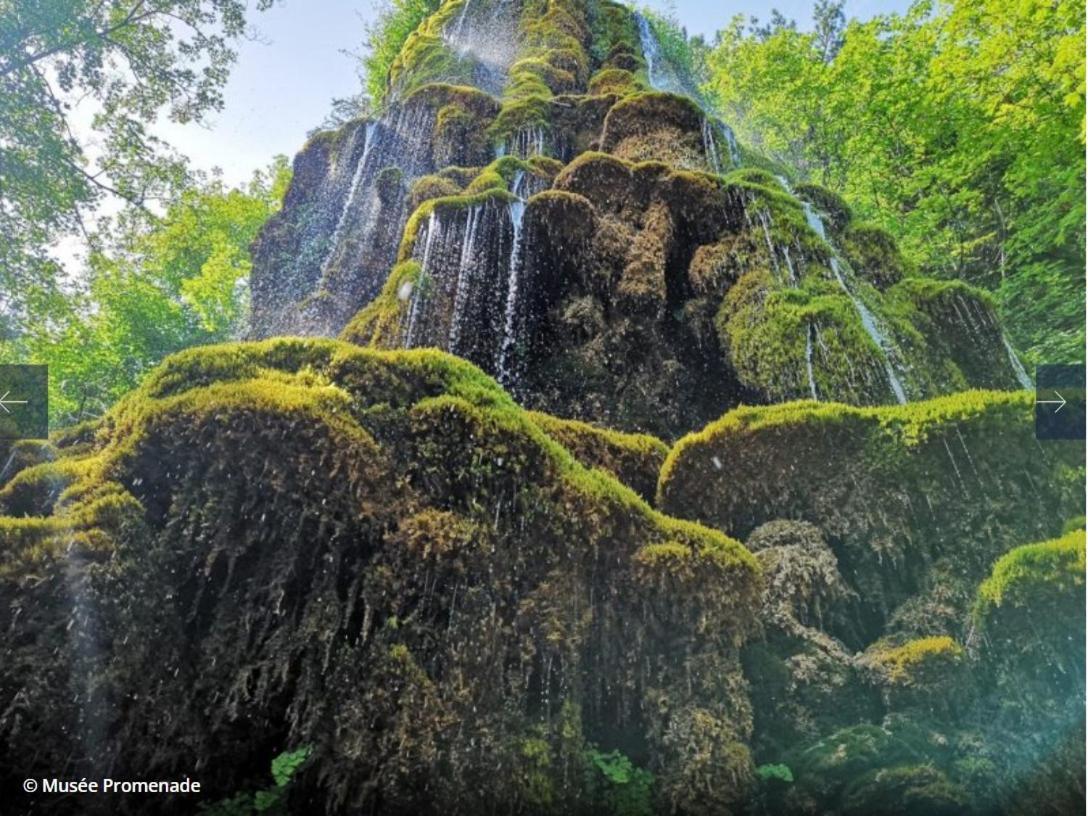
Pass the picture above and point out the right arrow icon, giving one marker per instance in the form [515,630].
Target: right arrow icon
[1060,402]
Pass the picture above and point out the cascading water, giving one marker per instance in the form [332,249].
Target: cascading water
[467,295]
[1022,376]
[730,141]
[808,362]
[710,147]
[868,320]
[362,168]
[663,78]
[434,229]
[485,33]
[651,52]
[509,334]
[464,278]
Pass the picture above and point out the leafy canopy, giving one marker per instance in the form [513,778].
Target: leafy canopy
[162,285]
[958,126]
[125,61]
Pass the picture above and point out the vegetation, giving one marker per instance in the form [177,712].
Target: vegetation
[386,36]
[160,285]
[269,800]
[957,126]
[1035,576]
[123,63]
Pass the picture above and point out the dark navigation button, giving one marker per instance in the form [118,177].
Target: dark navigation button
[1059,402]
[24,402]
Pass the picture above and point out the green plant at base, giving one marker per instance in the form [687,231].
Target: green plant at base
[617,784]
[776,772]
[267,800]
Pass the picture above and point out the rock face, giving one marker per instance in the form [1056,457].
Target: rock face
[546,197]
[471,584]
[888,678]
[379,557]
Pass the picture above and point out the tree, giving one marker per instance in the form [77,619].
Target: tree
[778,22]
[828,25]
[958,126]
[126,61]
[162,285]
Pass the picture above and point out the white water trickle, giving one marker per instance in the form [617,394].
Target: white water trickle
[789,264]
[765,221]
[517,213]
[710,147]
[434,226]
[1017,367]
[516,183]
[808,364]
[730,140]
[868,320]
[465,268]
[650,51]
[356,180]
[460,27]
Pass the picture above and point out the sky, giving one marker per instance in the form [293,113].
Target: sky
[286,77]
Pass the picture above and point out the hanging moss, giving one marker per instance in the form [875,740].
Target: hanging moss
[634,459]
[346,507]
[960,476]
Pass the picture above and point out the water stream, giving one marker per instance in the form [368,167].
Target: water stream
[868,320]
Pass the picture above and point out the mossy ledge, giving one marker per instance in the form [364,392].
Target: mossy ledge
[894,489]
[323,534]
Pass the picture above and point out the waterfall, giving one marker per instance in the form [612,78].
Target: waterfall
[485,34]
[434,227]
[1017,367]
[663,78]
[469,297]
[731,141]
[710,148]
[361,168]
[464,274]
[808,362]
[868,320]
[651,51]
[525,143]
[789,265]
[509,334]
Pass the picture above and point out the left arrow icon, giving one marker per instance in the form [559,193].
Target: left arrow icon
[5,402]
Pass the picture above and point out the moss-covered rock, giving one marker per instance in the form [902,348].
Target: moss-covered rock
[633,459]
[292,534]
[893,489]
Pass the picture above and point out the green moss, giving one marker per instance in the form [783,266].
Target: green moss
[863,476]
[381,322]
[653,125]
[490,188]
[831,205]
[1035,576]
[910,662]
[431,186]
[614,81]
[634,459]
[873,254]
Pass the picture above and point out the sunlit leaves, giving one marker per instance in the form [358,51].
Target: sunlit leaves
[958,126]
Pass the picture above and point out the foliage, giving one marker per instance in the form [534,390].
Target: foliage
[120,64]
[779,772]
[160,286]
[385,37]
[687,54]
[267,800]
[957,126]
[622,788]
